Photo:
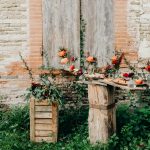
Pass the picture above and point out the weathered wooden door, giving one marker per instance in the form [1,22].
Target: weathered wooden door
[61,28]
[98,16]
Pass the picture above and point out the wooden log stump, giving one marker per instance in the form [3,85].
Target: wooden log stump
[102,117]
[43,121]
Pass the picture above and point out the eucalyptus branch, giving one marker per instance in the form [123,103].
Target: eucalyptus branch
[27,67]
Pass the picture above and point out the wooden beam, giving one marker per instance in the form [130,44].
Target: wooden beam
[102,119]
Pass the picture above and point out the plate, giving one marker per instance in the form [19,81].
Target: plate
[120,81]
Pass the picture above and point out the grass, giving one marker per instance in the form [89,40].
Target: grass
[133,130]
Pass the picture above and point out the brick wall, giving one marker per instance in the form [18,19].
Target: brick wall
[144,46]
[125,35]
[20,31]
[132,28]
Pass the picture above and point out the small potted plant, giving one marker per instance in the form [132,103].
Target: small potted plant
[45,98]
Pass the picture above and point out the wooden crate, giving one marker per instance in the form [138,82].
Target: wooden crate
[43,121]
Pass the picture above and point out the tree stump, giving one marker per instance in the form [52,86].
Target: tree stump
[102,117]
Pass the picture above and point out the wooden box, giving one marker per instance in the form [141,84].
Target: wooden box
[43,121]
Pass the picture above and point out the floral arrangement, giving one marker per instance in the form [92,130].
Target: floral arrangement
[44,88]
[113,68]
[90,63]
[68,61]
[139,77]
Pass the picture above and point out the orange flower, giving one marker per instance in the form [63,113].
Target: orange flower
[62,53]
[64,61]
[114,60]
[139,81]
[90,59]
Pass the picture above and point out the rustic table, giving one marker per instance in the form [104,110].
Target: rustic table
[102,110]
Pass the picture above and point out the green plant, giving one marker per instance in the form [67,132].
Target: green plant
[44,89]
[133,127]
[81,92]
[133,131]
[82,40]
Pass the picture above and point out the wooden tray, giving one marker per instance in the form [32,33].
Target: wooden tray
[95,76]
[120,81]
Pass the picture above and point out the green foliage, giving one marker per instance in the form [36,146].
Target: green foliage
[16,119]
[45,89]
[134,131]
[81,92]
[82,40]
[132,124]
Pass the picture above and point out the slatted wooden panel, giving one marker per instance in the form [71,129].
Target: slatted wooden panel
[43,121]
[61,28]
[98,16]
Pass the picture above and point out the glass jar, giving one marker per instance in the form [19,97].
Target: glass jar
[131,83]
[148,80]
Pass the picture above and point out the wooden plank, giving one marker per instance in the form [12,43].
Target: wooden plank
[43,121]
[106,82]
[43,108]
[55,121]
[61,28]
[39,133]
[43,115]
[98,16]
[42,103]
[43,127]
[92,82]
[32,119]
[41,139]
